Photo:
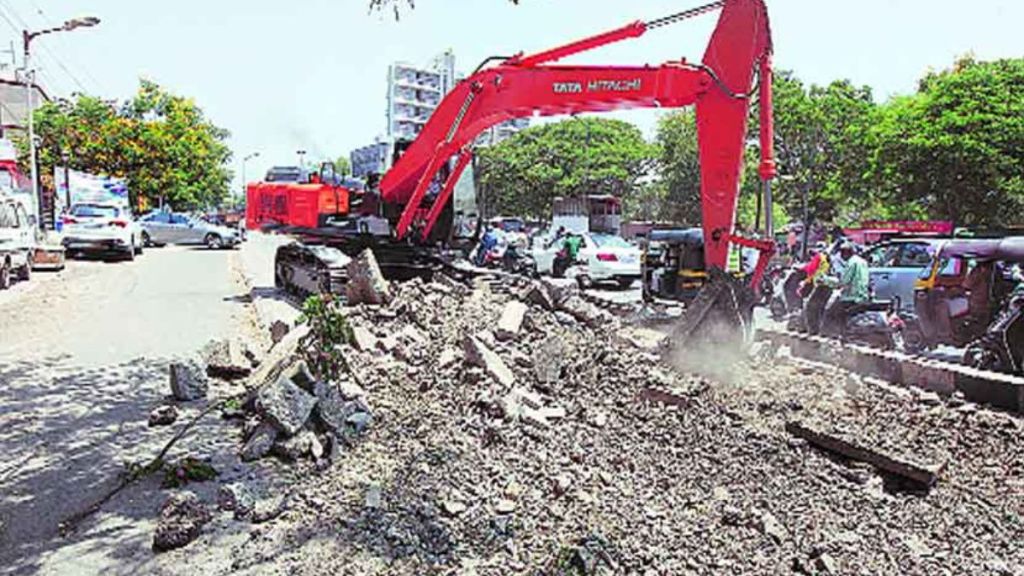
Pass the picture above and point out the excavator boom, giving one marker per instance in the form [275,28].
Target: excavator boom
[721,87]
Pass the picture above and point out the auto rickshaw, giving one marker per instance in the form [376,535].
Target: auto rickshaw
[967,283]
[673,264]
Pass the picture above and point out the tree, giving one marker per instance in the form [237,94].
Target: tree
[342,166]
[160,142]
[679,168]
[576,157]
[953,150]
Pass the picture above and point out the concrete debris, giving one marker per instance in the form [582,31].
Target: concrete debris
[294,447]
[188,381]
[478,354]
[227,359]
[511,320]
[924,475]
[286,405]
[363,339]
[236,497]
[498,462]
[182,517]
[366,284]
[163,416]
[259,442]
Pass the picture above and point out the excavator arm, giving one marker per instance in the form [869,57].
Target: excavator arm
[721,87]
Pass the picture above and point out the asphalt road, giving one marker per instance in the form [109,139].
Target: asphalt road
[83,359]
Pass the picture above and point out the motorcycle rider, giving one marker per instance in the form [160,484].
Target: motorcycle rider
[853,285]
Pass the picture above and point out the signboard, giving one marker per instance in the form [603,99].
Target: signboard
[82,187]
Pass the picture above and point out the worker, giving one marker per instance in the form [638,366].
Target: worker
[487,243]
[815,269]
[568,254]
[853,285]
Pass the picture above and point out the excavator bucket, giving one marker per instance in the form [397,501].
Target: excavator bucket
[718,321]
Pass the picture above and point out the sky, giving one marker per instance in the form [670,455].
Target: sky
[311,74]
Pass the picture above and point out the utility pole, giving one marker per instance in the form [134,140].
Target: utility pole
[245,161]
[27,38]
[302,158]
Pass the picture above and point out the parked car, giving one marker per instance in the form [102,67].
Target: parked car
[161,228]
[17,242]
[602,257]
[895,266]
[104,228]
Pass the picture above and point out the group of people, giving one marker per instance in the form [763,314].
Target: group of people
[815,281]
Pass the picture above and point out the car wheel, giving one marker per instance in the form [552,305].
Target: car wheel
[25,273]
[129,254]
[5,276]
[214,242]
[138,249]
[146,240]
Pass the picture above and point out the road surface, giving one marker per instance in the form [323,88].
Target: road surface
[83,359]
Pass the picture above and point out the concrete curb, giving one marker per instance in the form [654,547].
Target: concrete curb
[999,390]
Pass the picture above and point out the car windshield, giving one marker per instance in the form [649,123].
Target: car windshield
[94,211]
[609,241]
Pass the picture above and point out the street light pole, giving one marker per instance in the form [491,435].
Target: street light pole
[27,38]
[245,161]
[302,158]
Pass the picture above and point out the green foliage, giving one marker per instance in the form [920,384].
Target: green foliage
[953,150]
[576,157]
[188,469]
[160,142]
[680,168]
[329,331]
[342,166]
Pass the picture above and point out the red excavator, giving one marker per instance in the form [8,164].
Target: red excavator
[412,197]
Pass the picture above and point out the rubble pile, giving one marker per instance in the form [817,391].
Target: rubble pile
[522,430]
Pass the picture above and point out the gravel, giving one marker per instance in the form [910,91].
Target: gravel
[583,477]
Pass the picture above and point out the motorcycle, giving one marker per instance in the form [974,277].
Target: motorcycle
[518,261]
[875,323]
[1000,348]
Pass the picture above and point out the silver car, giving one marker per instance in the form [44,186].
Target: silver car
[160,228]
[895,265]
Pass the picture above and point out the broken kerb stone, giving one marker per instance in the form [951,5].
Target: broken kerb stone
[182,517]
[226,359]
[285,405]
[236,498]
[338,415]
[478,354]
[260,442]
[366,283]
[511,320]
[188,381]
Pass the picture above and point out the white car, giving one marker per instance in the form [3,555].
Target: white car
[17,242]
[602,257]
[102,228]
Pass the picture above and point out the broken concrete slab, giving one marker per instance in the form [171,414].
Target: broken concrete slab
[478,354]
[363,339]
[182,517]
[280,357]
[511,321]
[226,359]
[925,475]
[278,330]
[260,442]
[188,381]
[366,283]
[285,405]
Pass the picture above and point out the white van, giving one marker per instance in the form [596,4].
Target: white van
[17,241]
